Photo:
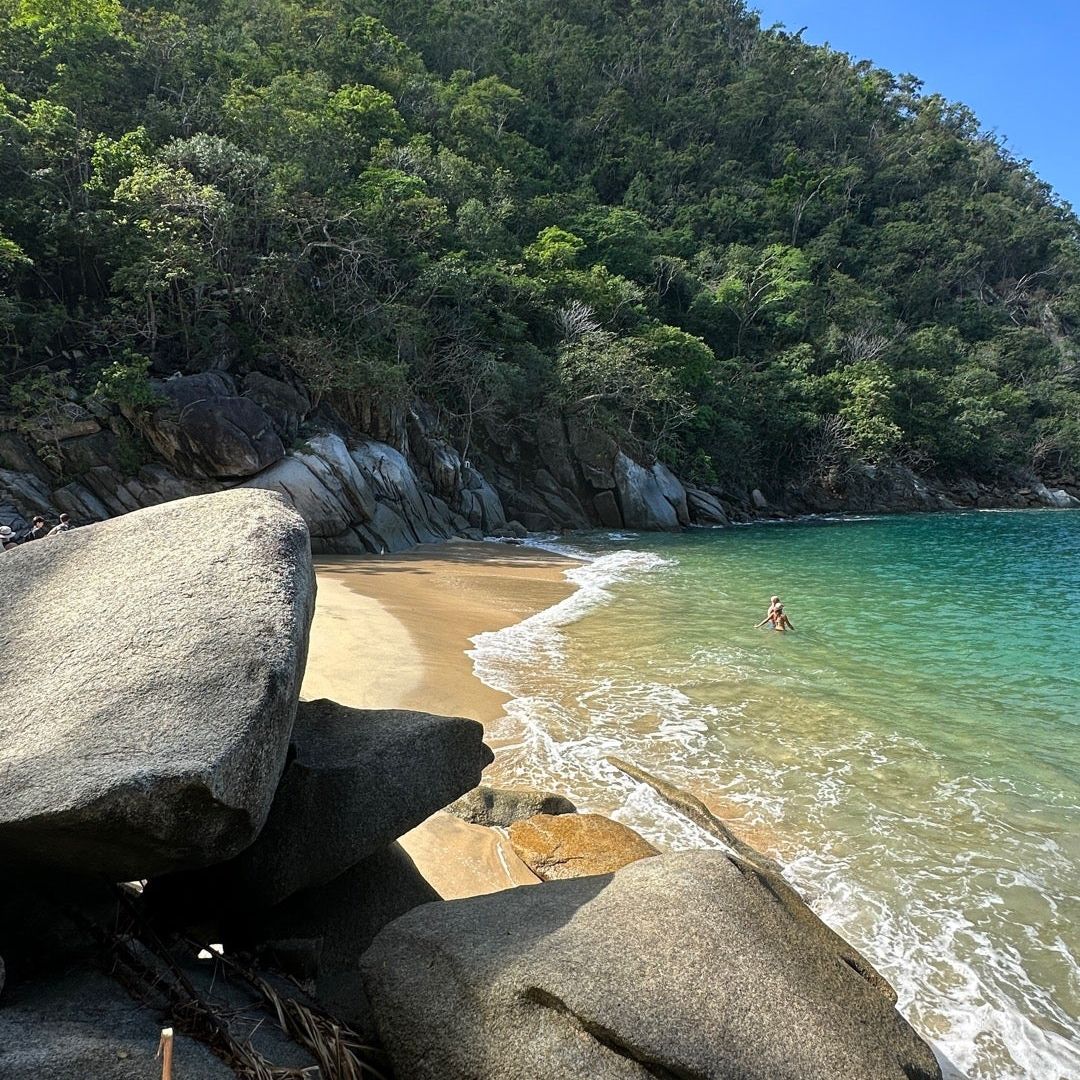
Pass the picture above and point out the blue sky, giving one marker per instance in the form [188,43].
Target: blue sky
[1017,65]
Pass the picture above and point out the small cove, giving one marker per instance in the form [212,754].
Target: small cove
[911,752]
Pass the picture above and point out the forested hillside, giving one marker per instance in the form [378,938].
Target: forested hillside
[750,255]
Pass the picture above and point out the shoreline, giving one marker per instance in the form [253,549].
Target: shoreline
[393,631]
[396,632]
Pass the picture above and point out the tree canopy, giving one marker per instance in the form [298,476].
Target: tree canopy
[756,256]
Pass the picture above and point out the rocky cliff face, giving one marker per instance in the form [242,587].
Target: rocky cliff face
[211,431]
[399,482]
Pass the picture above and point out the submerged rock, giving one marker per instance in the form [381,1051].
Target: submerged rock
[576,845]
[357,779]
[486,805]
[680,966]
[153,663]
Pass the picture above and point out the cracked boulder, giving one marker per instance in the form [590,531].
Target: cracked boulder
[154,662]
[682,966]
[576,845]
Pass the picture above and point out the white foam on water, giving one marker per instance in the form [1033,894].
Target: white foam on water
[936,936]
[497,654]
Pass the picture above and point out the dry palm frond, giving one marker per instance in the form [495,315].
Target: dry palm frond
[340,1053]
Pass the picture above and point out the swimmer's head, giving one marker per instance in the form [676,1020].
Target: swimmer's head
[774,600]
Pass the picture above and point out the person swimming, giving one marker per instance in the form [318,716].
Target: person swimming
[780,620]
[776,617]
[770,618]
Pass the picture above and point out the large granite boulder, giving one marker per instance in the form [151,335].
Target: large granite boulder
[204,428]
[153,665]
[356,780]
[487,805]
[641,497]
[681,966]
[84,1024]
[284,404]
[576,845]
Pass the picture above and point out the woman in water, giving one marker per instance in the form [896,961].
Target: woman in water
[770,618]
[776,617]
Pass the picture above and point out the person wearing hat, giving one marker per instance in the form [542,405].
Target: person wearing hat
[37,530]
[7,537]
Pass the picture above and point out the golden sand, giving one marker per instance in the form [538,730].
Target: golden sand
[392,631]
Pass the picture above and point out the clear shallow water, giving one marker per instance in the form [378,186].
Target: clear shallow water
[911,752]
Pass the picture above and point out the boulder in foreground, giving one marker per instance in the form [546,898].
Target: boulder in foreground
[576,845]
[679,966]
[152,665]
[487,805]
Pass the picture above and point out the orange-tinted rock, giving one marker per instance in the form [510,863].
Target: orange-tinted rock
[576,845]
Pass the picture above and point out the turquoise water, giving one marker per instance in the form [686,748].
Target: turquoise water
[911,752]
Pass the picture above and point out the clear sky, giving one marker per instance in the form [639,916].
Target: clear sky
[1016,64]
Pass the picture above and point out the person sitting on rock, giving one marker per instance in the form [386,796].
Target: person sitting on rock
[62,527]
[7,537]
[770,618]
[37,530]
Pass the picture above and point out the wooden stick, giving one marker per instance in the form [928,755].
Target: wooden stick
[165,1048]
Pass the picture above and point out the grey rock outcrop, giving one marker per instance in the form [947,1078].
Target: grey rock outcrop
[642,498]
[679,966]
[83,1024]
[493,806]
[705,509]
[205,428]
[1060,498]
[367,497]
[356,780]
[152,716]
[284,404]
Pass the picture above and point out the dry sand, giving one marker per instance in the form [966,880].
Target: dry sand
[391,631]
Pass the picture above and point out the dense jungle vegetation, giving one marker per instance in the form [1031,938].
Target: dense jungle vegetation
[750,254]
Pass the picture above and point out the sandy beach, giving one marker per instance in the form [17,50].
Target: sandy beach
[391,631]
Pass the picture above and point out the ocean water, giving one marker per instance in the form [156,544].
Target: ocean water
[911,752]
